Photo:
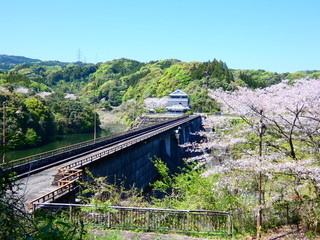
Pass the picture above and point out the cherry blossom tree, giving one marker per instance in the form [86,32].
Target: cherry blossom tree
[292,112]
[153,103]
[278,145]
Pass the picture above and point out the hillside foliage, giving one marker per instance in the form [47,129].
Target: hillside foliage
[58,98]
[271,149]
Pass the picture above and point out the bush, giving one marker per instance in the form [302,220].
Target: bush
[310,215]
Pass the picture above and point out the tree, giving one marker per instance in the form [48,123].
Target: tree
[290,112]
[15,222]
[214,74]
[40,118]
[290,117]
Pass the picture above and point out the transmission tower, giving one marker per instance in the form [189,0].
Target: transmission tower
[79,55]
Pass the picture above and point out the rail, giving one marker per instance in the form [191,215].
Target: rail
[65,149]
[149,219]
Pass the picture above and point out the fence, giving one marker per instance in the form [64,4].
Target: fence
[272,217]
[148,219]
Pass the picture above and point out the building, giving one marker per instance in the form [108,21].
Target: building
[178,102]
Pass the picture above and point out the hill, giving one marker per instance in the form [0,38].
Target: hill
[68,91]
[8,62]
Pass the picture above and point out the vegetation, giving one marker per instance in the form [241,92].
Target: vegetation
[42,99]
[32,119]
[258,78]
[17,223]
[58,98]
[272,151]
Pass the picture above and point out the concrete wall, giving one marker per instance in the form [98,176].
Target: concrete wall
[134,165]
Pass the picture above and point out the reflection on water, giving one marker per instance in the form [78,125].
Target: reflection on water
[61,141]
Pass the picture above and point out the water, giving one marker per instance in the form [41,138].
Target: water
[62,141]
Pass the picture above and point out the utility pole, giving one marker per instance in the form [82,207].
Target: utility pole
[259,214]
[95,124]
[79,55]
[4,143]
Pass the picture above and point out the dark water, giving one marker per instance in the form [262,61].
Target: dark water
[61,141]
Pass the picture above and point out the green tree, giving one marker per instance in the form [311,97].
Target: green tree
[190,190]
[17,223]
[40,118]
[32,139]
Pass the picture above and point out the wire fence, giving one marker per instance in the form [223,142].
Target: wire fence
[147,219]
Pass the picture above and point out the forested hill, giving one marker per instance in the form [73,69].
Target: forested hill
[8,62]
[57,97]
[120,80]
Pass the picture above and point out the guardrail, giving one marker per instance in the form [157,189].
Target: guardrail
[54,152]
[149,219]
[66,184]
[51,196]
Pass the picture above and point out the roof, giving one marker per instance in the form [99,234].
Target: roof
[178,93]
[177,108]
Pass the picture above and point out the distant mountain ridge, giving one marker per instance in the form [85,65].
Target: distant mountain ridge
[17,59]
[8,62]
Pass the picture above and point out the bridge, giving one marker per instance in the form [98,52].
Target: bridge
[51,177]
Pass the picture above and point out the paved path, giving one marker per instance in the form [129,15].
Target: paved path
[38,184]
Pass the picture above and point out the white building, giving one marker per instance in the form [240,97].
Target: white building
[178,102]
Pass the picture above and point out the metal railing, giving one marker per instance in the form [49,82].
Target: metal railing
[66,184]
[148,219]
[54,152]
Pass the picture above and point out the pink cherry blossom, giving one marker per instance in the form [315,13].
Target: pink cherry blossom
[289,114]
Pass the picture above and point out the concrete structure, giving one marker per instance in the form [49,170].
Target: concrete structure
[134,163]
[178,102]
[129,160]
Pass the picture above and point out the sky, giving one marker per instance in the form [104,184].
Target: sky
[274,35]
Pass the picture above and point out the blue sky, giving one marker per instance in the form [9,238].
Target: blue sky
[275,35]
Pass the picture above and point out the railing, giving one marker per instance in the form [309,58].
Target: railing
[51,196]
[65,176]
[54,152]
[149,219]
[66,184]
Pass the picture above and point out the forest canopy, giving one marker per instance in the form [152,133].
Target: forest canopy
[59,98]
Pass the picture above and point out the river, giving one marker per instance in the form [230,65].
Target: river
[61,141]
[110,124]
